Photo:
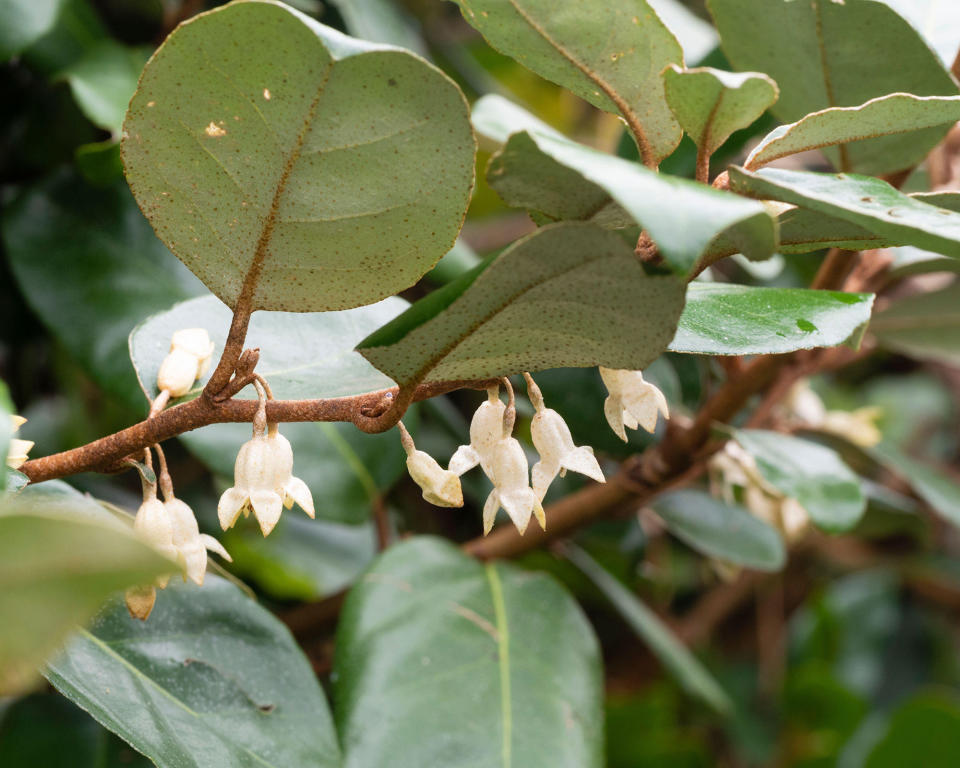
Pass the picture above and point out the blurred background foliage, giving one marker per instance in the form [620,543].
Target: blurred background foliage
[847,658]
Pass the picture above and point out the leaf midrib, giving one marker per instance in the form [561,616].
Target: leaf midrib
[503,660]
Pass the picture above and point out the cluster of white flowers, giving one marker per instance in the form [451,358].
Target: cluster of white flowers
[516,489]
[188,360]
[18,449]
[859,427]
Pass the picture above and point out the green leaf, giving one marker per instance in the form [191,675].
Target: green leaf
[724,531]
[815,51]
[924,730]
[303,356]
[811,473]
[711,104]
[381,21]
[729,319]
[103,80]
[697,37]
[910,261]
[610,54]
[24,22]
[936,21]
[935,487]
[898,113]
[284,166]
[681,663]
[862,200]
[91,268]
[925,326]
[239,693]
[47,730]
[495,119]
[565,296]
[442,660]
[563,179]
[6,431]
[57,567]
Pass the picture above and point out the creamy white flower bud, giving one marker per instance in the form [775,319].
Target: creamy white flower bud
[554,443]
[440,486]
[486,431]
[188,360]
[632,402]
[18,449]
[858,427]
[264,482]
[511,488]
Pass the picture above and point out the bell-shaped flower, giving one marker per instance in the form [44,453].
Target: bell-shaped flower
[188,360]
[140,601]
[154,527]
[553,441]
[18,449]
[264,482]
[511,488]
[632,402]
[486,431]
[440,486]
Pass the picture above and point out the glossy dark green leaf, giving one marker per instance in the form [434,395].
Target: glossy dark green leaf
[816,51]
[898,113]
[24,22]
[812,474]
[564,180]
[925,325]
[925,730]
[681,663]
[461,663]
[934,486]
[724,531]
[304,355]
[91,268]
[711,104]
[239,693]
[862,200]
[103,80]
[566,295]
[610,54]
[58,565]
[729,319]
[288,163]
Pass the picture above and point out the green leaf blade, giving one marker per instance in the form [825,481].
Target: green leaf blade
[925,326]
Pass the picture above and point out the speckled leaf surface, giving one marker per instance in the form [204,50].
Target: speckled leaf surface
[809,472]
[459,663]
[711,104]
[925,326]
[569,295]
[862,200]
[239,693]
[307,355]
[333,172]
[539,172]
[61,557]
[729,319]
[612,54]
[847,54]
[898,113]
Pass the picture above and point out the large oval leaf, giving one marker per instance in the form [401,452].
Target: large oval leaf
[239,693]
[443,661]
[609,53]
[570,294]
[303,356]
[925,326]
[325,172]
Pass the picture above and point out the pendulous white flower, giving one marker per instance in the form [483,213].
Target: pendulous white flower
[511,488]
[486,431]
[188,360]
[264,481]
[632,402]
[18,449]
[553,441]
[440,486]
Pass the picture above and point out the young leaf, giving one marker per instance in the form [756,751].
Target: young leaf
[711,104]
[681,663]
[303,356]
[815,51]
[925,326]
[58,565]
[862,200]
[280,167]
[610,54]
[447,657]
[810,473]
[935,487]
[238,693]
[727,532]
[898,113]
[564,179]
[729,319]
[570,294]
